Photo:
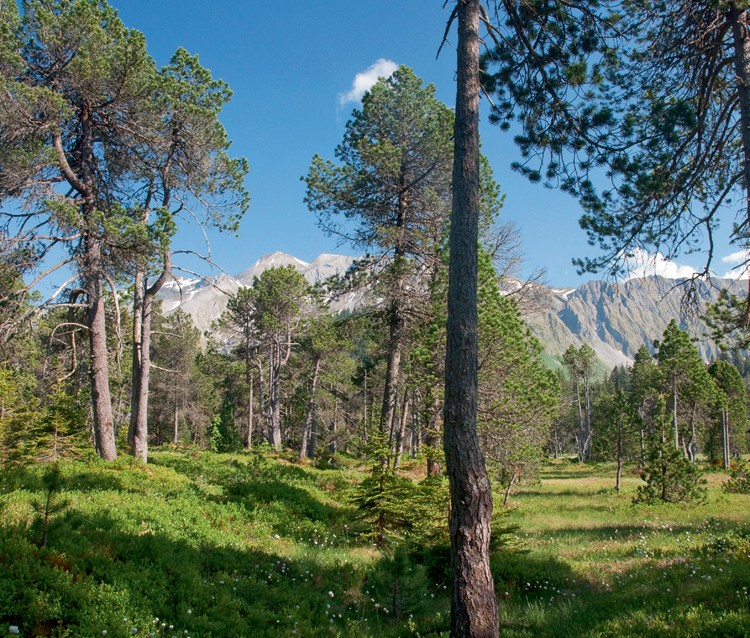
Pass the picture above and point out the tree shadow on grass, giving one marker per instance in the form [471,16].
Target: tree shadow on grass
[683,598]
[582,473]
[284,494]
[105,579]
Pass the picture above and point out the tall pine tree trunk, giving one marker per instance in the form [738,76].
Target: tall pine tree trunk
[143,304]
[389,414]
[135,381]
[306,447]
[101,400]
[473,602]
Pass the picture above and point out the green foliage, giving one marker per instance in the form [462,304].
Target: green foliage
[392,509]
[518,395]
[402,135]
[36,430]
[52,482]
[224,436]
[739,479]
[670,477]
[617,108]
[398,585]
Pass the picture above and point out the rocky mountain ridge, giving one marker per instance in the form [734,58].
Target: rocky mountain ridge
[205,299]
[615,319]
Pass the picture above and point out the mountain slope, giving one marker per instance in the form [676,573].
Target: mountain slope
[617,319]
[205,300]
[614,319]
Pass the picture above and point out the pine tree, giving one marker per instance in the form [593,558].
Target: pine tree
[389,193]
[669,476]
[691,389]
[518,395]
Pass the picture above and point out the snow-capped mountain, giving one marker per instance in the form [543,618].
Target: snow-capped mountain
[205,300]
[614,319]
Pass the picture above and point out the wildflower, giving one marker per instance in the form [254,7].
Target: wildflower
[104,632]
[13,629]
[189,611]
[133,631]
[330,594]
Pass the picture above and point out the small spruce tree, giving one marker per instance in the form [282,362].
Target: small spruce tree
[668,475]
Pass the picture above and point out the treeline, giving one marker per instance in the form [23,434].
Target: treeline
[666,403]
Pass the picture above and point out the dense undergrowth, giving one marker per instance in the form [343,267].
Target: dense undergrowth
[214,545]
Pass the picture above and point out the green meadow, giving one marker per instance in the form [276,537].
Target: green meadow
[217,545]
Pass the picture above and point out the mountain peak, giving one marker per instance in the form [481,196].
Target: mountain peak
[278,259]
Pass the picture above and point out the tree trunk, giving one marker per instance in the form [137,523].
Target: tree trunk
[473,602]
[306,445]
[274,401]
[741,40]
[249,439]
[725,437]
[432,437]
[587,422]
[580,437]
[619,454]
[509,489]
[389,418]
[176,426]
[135,380]
[333,446]
[674,415]
[138,431]
[401,436]
[143,314]
[101,400]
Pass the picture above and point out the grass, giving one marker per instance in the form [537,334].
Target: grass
[606,567]
[211,545]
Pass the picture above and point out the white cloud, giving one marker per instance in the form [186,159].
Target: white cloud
[735,258]
[365,80]
[644,264]
[740,266]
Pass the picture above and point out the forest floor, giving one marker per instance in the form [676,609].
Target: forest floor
[217,545]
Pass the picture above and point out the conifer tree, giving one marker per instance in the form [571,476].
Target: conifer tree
[730,424]
[580,365]
[389,194]
[518,395]
[278,298]
[684,377]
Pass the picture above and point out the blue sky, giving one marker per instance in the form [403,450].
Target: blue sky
[288,63]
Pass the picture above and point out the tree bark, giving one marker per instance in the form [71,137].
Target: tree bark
[135,393]
[92,272]
[176,426]
[389,414]
[249,372]
[143,305]
[306,447]
[101,399]
[473,602]
[741,40]
[725,438]
[401,435]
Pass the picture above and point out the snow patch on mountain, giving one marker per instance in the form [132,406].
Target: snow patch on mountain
[205,299]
